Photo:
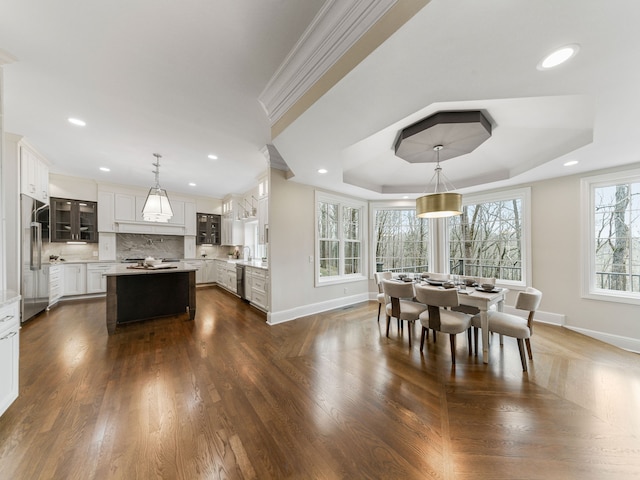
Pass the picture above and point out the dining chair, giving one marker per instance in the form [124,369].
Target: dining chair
[401,304]
[440,318]
[379,276]
[513,325]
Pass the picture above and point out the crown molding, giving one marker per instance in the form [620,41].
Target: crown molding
[335,29]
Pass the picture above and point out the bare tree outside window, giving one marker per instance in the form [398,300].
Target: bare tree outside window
[617,237]
[401,240]
[486,240]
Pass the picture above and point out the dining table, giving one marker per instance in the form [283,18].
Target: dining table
[483,300]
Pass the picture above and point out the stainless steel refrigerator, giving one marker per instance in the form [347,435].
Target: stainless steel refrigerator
[35,273]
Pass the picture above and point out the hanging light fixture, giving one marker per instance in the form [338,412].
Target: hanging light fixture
[157,207]
[439,203]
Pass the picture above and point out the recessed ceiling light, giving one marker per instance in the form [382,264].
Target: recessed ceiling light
[558,57]
[405,197]
[77,121]
[570,163]
[105,169]
[191,184]
[322,170]
[211,156]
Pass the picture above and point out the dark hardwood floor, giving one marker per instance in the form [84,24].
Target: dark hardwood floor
[324,397]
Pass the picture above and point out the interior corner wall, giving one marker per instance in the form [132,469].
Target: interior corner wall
[291,244]
[558,264]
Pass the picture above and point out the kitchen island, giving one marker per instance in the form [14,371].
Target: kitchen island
[135,294]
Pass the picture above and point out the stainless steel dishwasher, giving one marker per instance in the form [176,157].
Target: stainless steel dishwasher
[240,288]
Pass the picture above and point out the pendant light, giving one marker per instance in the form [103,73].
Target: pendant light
[157,207]
[439,204]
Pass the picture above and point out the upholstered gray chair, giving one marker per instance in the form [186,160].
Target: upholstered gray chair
[440,318]
[514,325]
[379,276]
[401,304]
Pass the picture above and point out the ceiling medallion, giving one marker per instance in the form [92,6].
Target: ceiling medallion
[459,132]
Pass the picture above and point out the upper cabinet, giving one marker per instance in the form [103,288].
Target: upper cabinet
[121,211]
[73,221]
[209,229]
[34,173]
[232,228]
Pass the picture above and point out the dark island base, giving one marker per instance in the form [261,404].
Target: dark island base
[132,298]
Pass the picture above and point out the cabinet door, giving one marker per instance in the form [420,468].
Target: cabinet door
[177,206]
[86,217]
[263,220]
[190,219]
[9,358]
[125,207]
[106,214]
[61,220]
[28,172]
[43,182]
[107,246]
[74,280]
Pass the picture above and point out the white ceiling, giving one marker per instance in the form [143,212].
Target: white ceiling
[180,78]
[183,79]
[466,54]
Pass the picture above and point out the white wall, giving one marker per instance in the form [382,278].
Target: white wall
[558,261]
[292,241]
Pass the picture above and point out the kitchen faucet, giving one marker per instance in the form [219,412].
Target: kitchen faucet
[248,248]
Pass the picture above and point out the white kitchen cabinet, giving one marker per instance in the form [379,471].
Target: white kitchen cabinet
[34,173]
[107,247]
[232,231]
[74,279]
[55,284]
[106,212]
[124,207]
[189,247]
[211,272]
[190,219]
[257,287]
[96,280]
[9,353]
[226,275]
[198,265]
[263,220]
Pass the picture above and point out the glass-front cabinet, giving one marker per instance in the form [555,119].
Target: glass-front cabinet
[74,220]
[208,229]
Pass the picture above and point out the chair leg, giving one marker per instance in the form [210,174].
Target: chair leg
[452,341]
[475,340]
[409,327]
[528,343]
[388,324]
[469,345]
[523,358]
[425,332]
[379,308]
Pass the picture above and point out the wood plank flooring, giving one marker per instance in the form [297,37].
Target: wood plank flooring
[324,397]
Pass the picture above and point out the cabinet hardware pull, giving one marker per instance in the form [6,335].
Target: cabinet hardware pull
[6,319]
[12,334]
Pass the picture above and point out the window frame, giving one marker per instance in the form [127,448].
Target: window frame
[524,195]
[588,247]
[324,197]
[393,205]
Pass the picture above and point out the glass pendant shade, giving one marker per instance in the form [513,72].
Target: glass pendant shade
[438,205]
[157,207]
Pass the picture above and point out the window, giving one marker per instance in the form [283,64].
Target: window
[340,223]
[489,239]
[613,235]
[401,240]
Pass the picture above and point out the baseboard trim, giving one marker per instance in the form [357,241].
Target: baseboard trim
[626,343]
[273,318]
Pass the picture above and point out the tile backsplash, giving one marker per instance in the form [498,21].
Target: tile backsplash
[132,245]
